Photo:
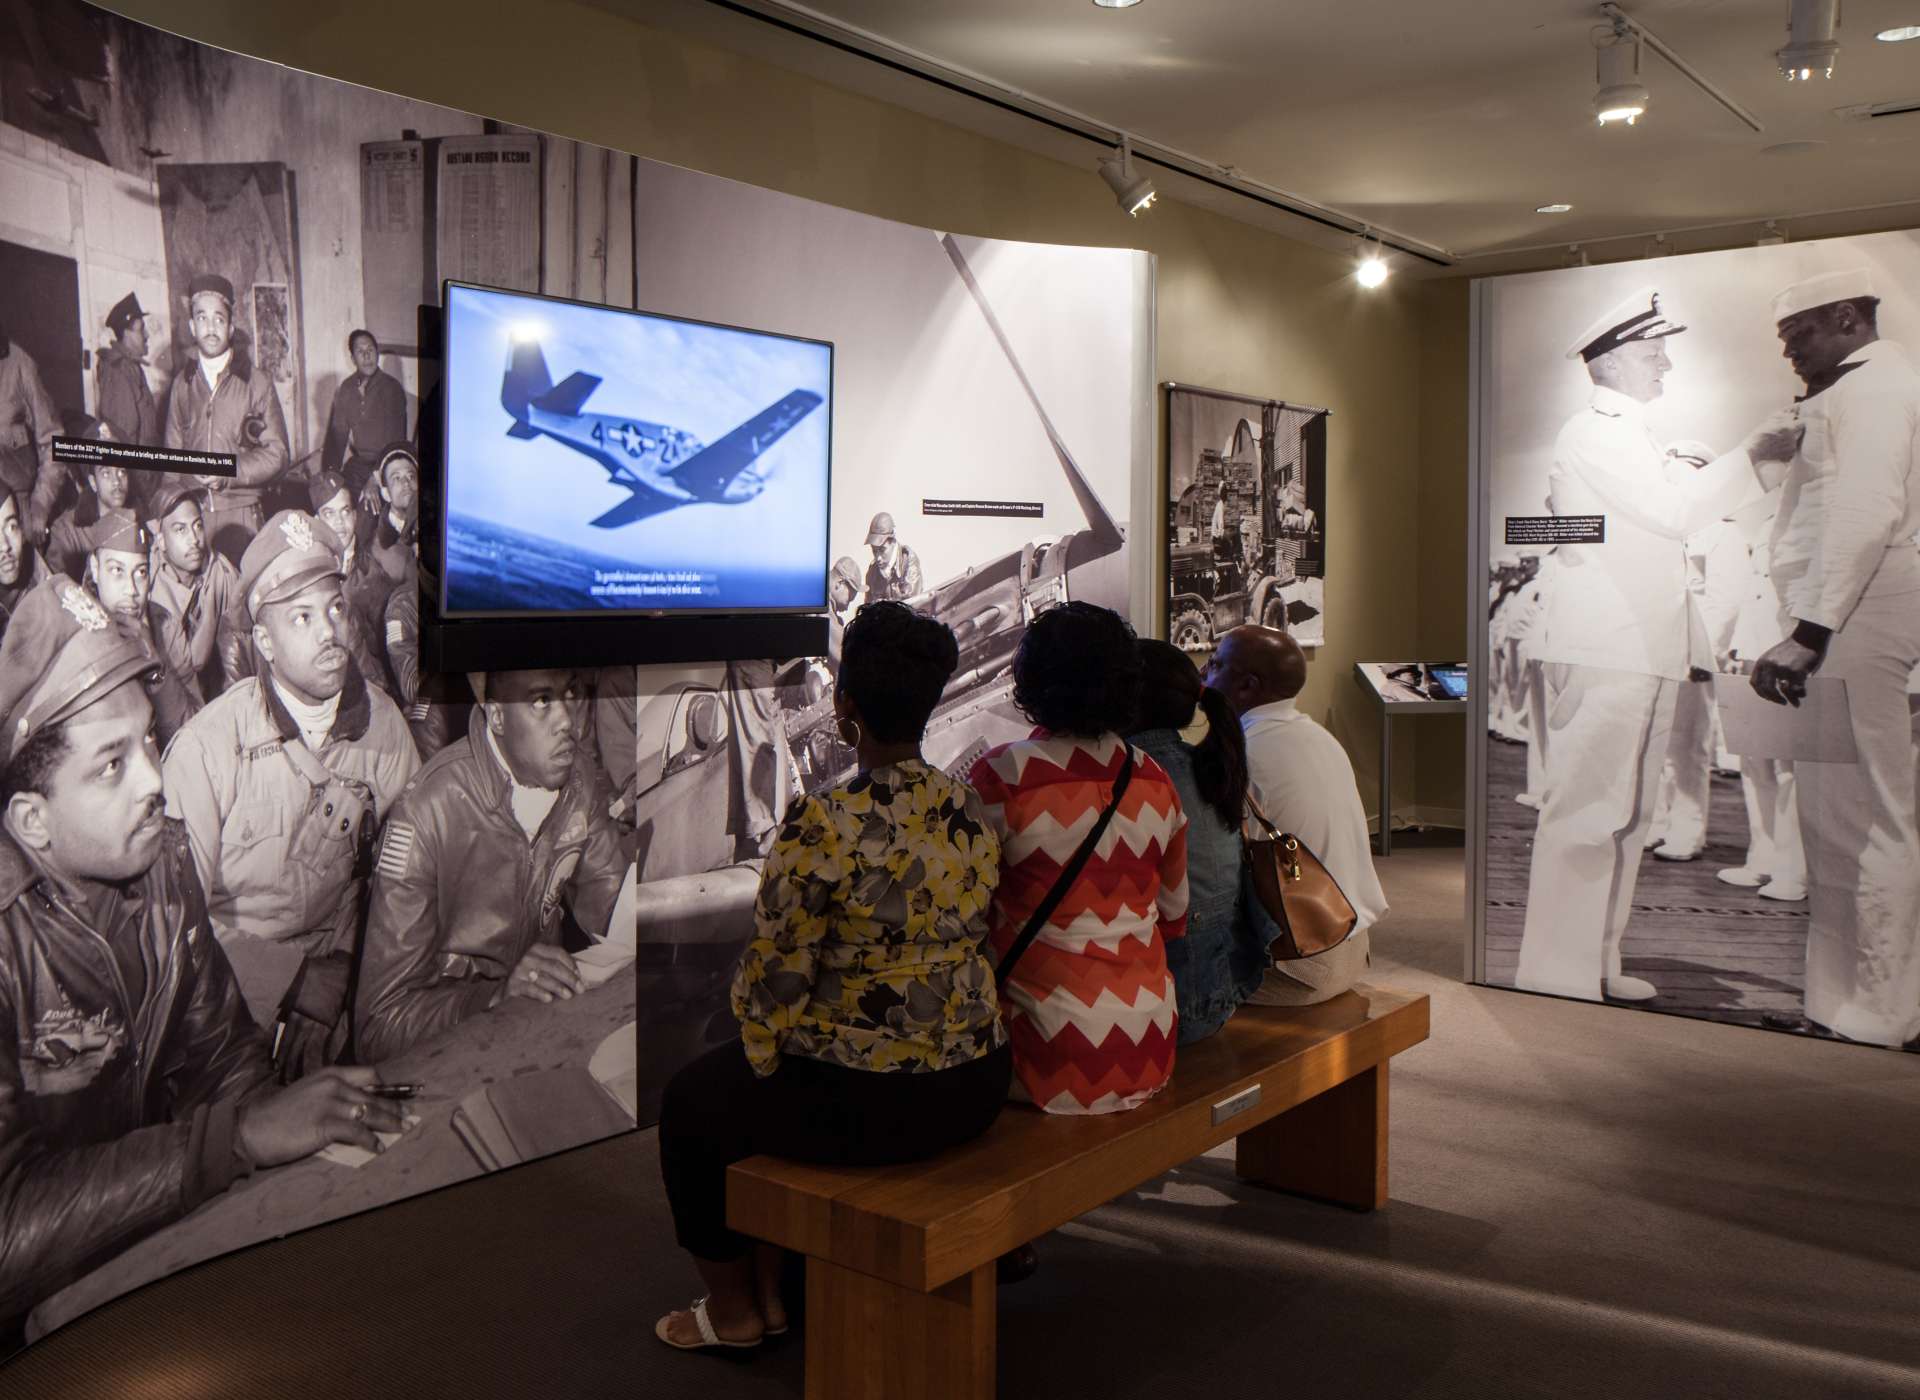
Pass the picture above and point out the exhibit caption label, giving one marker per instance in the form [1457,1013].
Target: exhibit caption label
[1556,529]
[1035,509]
[97,452]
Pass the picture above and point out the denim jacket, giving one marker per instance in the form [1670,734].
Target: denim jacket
[1220,961]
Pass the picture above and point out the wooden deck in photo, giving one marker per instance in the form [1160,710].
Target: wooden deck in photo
[1713,950]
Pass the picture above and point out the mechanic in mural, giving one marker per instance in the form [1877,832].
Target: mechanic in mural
[218,403]
[895,571]
[133,1083]
[1614,648]
[275,778]
[482,850]
[200,617]
[1847,574]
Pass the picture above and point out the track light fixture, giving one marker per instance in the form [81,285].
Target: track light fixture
[1576,256]
[1371,270]
[1621,97]
[1133,190]
[1772,236]
[1811,47]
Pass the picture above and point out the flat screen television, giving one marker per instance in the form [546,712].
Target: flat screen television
[601,461]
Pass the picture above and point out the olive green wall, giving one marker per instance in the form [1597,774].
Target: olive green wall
[1239,308]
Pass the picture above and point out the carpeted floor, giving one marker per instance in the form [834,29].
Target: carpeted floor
[1587,1202]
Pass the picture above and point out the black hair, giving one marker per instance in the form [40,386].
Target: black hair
[894,664]
[359,331]
[1170,690]
[1077,671]
[31,768]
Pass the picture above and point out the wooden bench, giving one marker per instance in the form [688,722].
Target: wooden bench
[900,1260]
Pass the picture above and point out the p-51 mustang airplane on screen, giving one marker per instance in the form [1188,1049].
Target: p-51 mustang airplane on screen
[663,467]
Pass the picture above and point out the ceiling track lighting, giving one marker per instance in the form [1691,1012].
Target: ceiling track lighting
[1811,47]
[1620,23]
[1576,256]
[1771,236]
[1620,95]
[1131,189]
[1659,247]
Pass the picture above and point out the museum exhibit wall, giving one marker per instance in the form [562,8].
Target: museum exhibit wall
[1238,308]
[1691,843]
[994,396]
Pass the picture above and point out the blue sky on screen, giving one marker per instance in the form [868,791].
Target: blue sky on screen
[704,380]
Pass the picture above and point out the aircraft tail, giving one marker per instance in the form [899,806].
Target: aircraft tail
[526,379]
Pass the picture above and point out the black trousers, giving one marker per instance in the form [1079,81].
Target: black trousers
[717,1112]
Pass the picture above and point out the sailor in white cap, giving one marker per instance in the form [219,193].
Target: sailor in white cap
[1848,578]
[1613,647]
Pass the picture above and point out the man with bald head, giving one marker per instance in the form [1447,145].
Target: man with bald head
[1304,782]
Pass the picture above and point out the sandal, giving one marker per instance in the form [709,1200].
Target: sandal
[709,1339]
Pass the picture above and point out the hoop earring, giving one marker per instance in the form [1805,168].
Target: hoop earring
[851,741]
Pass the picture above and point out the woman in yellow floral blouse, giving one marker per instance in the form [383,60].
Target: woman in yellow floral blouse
[868,1020]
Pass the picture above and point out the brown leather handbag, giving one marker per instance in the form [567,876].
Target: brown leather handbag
[1304,901]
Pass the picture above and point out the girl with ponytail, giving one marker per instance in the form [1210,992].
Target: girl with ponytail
[1213,971]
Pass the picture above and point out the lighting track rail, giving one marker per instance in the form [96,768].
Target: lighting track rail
[1686,70]
[848,39]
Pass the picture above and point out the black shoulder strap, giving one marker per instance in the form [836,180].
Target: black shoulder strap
[1068,875]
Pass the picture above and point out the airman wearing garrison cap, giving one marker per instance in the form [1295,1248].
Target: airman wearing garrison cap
[221,405]
[133,1087]
[1613,646]
[118,560]
[274,778]
[200,619]
[1847,576]
[125,401]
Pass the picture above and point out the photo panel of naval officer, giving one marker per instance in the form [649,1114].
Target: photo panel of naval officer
[1706,588]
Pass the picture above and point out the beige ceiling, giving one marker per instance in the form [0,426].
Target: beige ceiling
[1443,123]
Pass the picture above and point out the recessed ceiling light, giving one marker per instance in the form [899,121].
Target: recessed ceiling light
[1899,34]
[1554,209]
[1116,4]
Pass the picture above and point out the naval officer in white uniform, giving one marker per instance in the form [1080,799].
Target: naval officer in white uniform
[1848,577]
[1614,648]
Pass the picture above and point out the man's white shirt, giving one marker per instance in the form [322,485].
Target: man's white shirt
[1850,506]
[1304,782]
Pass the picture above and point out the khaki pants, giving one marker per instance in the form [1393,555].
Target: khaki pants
[1308,980]
[1607,737]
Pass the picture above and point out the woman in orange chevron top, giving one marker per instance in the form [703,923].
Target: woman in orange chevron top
[1090,1005]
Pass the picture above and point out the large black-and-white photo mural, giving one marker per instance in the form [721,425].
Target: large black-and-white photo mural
[290,927]
[981,474]
[1701,634]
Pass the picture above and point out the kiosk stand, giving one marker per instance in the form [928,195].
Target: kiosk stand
[1407,688]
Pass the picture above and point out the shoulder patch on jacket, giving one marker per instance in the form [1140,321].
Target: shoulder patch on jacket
[396,851]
